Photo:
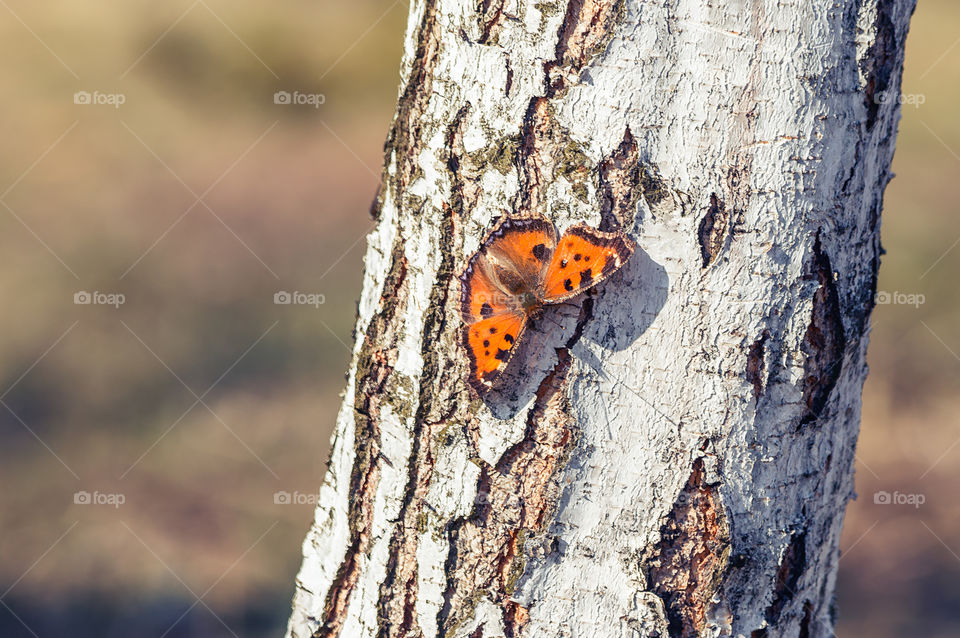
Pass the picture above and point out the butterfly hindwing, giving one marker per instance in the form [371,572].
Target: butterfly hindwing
[584,257]
[490,343]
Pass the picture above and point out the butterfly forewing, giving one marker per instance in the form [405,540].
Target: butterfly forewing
[516,251]
[584,256]
[521,247]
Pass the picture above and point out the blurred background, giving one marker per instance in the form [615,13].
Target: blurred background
[168,168]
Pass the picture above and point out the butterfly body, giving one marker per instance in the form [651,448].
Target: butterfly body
[522,267]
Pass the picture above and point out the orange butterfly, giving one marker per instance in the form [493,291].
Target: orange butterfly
[521,267]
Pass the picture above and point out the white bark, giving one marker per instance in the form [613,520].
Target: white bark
[674,457]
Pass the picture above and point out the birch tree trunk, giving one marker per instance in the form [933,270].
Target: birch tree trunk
[673,455]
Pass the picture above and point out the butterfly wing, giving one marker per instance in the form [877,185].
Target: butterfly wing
[490,344]
[584,257]
[511,260]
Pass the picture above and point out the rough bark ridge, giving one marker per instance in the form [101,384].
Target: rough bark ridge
[672,456]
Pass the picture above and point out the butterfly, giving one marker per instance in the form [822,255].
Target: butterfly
[521,267]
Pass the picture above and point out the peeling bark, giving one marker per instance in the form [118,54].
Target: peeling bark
[673,452]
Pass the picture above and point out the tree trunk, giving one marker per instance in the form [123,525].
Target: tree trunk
[673,453]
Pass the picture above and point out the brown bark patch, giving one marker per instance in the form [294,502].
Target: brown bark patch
[374,367]
[491,19]
[463,169]
[713,230]
[620,185]
[689,561]
[824,341]
[586,30]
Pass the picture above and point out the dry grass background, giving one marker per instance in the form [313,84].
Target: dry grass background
[96,398]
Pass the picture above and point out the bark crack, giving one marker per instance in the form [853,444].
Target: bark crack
[824,341]
[713,230]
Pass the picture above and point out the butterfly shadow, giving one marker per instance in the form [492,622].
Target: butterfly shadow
[624,306]
[627,304]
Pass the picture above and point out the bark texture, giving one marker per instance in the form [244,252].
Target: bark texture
[672,455]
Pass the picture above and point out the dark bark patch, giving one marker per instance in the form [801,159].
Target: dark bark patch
[546,153]
[688,563]
[756,368]
[824,341]
[879,64]
[807,619]
[713,230]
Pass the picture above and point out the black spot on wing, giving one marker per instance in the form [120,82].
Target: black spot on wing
[486,343]
[508,338]
[493,331]
[586,277]
[539,252]
[567,285]
[502,355]
[577,257]
[486,310]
